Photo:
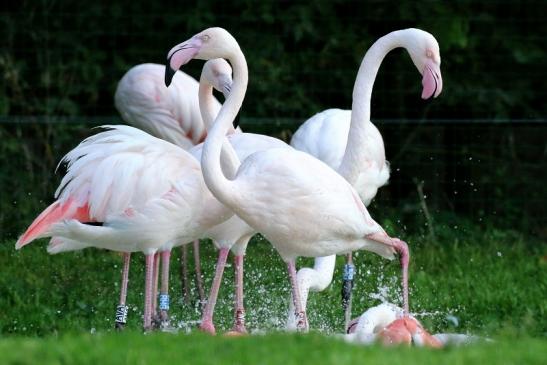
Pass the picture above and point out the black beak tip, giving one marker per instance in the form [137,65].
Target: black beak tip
[169,73]
[236,120]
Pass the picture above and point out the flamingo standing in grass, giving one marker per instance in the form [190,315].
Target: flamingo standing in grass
[302,206]
[128,191]
[171,114]
[349,143]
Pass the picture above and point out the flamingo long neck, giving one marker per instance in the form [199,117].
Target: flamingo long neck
[209,108]
[207,103]
[221,187]
[360,109]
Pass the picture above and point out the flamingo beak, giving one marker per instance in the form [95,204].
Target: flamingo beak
[179,55]
[432,80]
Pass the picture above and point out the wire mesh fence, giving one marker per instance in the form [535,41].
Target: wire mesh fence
[492,173]
[479,149]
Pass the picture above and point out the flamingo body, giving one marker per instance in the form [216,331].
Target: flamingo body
[171,113]
[325,136]
[163,207]
[301,205]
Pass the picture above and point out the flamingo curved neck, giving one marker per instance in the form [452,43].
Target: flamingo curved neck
[360,109]
[207,106]
[221,187]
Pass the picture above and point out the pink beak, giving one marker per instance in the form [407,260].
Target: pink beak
[180,55]
[432,80]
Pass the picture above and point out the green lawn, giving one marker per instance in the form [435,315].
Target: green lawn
[470,279]
[195,349]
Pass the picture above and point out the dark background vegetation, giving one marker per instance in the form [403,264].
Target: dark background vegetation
[478,151]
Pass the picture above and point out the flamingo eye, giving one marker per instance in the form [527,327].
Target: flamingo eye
[429,53]
[205,37]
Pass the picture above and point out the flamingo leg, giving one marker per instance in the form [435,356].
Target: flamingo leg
[300,314]
[347,287]
[154,309]
[239,314]
[404,256]
[148,291]
[121,310]
[207,320]
[199,277]
[184,274]
[164,290]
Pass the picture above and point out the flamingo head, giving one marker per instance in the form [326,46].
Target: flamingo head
[208,44]
[424,51]
[218,73]
[407,330]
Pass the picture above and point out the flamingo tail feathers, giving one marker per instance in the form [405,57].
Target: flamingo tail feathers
[56,212]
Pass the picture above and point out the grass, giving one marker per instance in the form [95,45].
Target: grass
[470,279]
[196,349]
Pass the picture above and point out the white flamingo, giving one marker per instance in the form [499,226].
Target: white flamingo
[101,202]
[171,114]
[337,135]
[302,206]
[233,234]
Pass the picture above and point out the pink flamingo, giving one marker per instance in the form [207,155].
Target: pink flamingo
[101,204]
[385,323]
[349,143]
[302,206]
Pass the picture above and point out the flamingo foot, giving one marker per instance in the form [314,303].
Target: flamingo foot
[301,321]
[407,331]
[239,322]
[164,320]
[156,321]
[208,327]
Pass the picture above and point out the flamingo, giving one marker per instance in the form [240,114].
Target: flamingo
[301,205]
[173,115]
[385,323]
[335,135]
[233,234]
[102,204]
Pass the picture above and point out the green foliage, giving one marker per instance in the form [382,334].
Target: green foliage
[63,58]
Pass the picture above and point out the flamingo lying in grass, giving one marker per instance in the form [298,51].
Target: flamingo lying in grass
[349,143]
[302,206]
[386,324]
[101,203]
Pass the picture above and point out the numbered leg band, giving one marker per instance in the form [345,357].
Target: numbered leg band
[349,271]
[121,314]
[164,302]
